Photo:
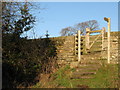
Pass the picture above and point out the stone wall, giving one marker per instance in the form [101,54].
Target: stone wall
[114,49]
[66,49]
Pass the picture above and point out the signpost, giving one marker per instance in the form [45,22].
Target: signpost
[108,35]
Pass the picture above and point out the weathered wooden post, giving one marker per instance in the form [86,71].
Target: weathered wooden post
[79,46]
[87,39]
[103,36]
[109,40]
[108,36]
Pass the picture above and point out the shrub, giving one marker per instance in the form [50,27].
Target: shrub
[24,59]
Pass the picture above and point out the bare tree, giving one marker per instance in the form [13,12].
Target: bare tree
[92,24]
[67,31]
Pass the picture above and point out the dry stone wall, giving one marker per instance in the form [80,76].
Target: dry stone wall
[115,50]
[66,49]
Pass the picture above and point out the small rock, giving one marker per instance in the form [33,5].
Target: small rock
[73,64]
[82,86]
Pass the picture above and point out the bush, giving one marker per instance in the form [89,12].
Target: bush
[24,59]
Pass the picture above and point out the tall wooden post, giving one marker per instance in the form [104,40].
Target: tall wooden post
[108,36]
[79,46]
[87,39]
[109,39]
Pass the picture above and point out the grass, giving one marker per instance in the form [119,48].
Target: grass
[62,77]
[106,77]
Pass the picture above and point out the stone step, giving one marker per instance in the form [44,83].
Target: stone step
[90,62]
[65,60]
[83,73]
[90,58]
[69,56]
[86,69]
[65,54]
[89,65]
[81,77]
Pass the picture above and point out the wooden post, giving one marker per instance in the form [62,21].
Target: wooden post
[79,46]
[75,43]
[108,36]
[109,39]
[87,39]
[103,36]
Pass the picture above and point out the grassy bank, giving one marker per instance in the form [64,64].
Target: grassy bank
[106,77]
